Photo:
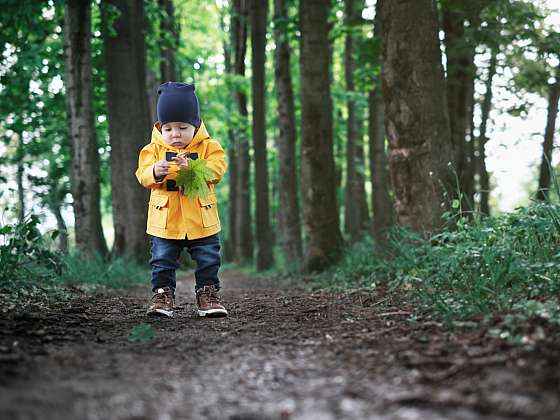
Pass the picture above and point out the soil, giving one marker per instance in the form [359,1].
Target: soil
[283,353]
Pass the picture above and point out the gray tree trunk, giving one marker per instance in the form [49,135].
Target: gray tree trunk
[320,209]
[129,124]
[361,196]
[168,66]
[482,138]
[290,224]
[230,243]
[243,220]
[83,140]
[263,231]
[352,210]
[416,120]
[382,206]
[548,143]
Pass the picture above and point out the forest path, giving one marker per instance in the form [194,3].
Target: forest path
[283,353]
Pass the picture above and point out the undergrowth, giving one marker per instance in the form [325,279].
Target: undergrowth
[505,267]
[31,268]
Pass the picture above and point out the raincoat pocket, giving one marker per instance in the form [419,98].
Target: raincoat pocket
[159,209]
[209,210]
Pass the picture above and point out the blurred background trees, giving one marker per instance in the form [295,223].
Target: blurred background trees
[337,122]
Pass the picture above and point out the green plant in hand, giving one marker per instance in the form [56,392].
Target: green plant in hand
[194,179]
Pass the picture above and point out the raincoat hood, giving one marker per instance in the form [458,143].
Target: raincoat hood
[199,135]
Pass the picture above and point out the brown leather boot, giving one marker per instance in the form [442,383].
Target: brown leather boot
[208,302]
[162,303]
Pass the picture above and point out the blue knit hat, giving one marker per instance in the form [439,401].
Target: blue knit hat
[177,102]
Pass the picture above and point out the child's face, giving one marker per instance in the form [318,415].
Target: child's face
[177,134]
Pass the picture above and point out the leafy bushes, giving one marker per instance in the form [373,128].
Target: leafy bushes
[481,267]
[27,260]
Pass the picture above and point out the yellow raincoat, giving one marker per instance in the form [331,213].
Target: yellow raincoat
[171,215]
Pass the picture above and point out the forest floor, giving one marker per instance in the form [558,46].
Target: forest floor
[283,353]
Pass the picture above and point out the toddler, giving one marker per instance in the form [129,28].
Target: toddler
[175,221]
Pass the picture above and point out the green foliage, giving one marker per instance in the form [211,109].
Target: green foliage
[27,260]
[492,267]
[96,271]
[194,179]
[141,333]
[25,256]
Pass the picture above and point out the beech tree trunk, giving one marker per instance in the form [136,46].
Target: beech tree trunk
[382,205]
[352,222]
[482,138]
[168,66]
[230,243]
[243,220]
[460,67]
[320,209]
[416,118]
[361,196]
[129,124]
[548,143]
[83,139]
[290,224]
[259,18]
[379,170]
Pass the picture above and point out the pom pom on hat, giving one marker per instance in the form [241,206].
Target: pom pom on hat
[177,102]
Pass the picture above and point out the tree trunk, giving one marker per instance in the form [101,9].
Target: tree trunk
[259,18]
[469,168]
[379,171]
[352,222]
[548,143]
[230,244]
[129,126]
[320,209]
[361,196]
[460,66]
[482,138]
[382,205]
[83,140]
[63,231]
[290,224]
[243,221]
[168,67]
[19,180]
[416,120]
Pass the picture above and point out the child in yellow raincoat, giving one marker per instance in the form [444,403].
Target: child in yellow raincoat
[174,220]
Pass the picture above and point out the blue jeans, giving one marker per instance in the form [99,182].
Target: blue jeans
[165,260]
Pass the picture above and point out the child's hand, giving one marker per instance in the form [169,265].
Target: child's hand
[161,169]
[181,161]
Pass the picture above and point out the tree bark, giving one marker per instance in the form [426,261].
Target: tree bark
[230,244]
[243,221]
[290,222]
[548,143]
[129,126]
[361,196]
[352,222]
[482,138]
[320,209]
[259,18]
[382,205]
[416,120]
[83,140]
[19,181]
[63,231]
[460,66]
[381,200]
[168,66]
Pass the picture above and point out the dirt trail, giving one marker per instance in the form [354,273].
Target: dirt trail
[283,353]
